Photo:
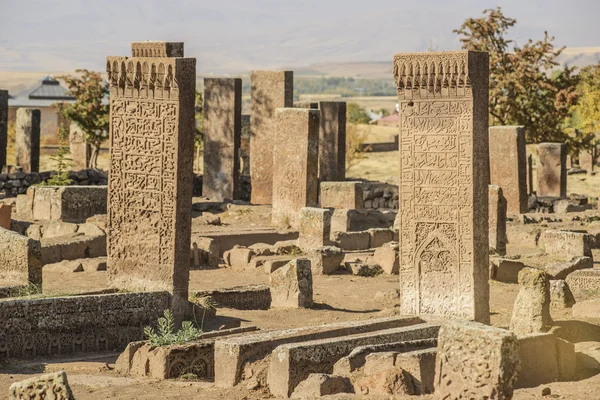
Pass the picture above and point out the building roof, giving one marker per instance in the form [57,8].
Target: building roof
[43,94]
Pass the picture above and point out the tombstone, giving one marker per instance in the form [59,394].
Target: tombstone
[270,90]
[3,126]
[80,154]
[28,139]
[497,219]
[222,136]
[569,162]
[531,310]
[314,227]
[332,141]
[150,185]
[530,173]
[586,160]
[295,157]
[475,361]
[245,145]
[443,191]
[508,165]
[552,170]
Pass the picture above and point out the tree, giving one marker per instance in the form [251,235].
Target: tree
[62,160]
[586,115]
[356,115]
[521,90]
[89,111]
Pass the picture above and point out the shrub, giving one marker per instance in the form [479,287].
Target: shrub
[166,334]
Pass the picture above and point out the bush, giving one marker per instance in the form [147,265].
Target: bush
[166,335]
[355,140]
[356,115]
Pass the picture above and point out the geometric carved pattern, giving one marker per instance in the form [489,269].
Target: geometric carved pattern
[444,175]
[150,181]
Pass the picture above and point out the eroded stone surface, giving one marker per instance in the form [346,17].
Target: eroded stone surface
[315,227]
[475,361]
[531,311]
[150,185]
[552,170]
[332,141]
[54,386]
[444,177]
[560,294]
[79,148]
[28,139]
[291,285]
[345,195]
[497,220]
[20,258]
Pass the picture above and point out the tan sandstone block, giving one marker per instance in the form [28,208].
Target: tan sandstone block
[291,285]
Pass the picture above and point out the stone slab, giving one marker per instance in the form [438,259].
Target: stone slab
[345,195]
[552,170]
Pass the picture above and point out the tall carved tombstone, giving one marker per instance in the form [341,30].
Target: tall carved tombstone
[444,175]
[150,182]
[270,90]
[552,170]
[3,126]
[332,141]
[222,138]
[28,139]
[497,219]
[80,155]
[508,165]
[295,157]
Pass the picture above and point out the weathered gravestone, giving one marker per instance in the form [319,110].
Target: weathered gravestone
[222,136]
[508,165]
[3,126]
[531,310]
[475,361]
[270,90]
[552,170]
[79,148]
[444,175]
[295,157]
[28,139]
[150,186]
[332,141]
[497,219]
[586,160]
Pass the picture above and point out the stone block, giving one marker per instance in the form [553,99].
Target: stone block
[386,257]
[389,382]
[315,227]
[351,240]
[539,360]
[5,215]
[270,90]
[420,364]
[291,285]
[552,170]
[72,247]
[497,219]
[560,294]
[434,204]
[560,270]
[508,165]
[55,229]
[67,203]
[295,164]
[475,361]
[20,258]
[531,310]
[325,260]
[231,355]
[566,243]
[80,152]
[506,270]
[332,141]
[377,362]
[317,385]
[28,139]
[341,195]
[238,258]
[208,249]
[159,49]
[54,386]
[379,236]
[291,363]
[272,264]
[251,297]
[22,207]
[585,280]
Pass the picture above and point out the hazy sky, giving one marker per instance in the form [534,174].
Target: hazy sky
[239,35]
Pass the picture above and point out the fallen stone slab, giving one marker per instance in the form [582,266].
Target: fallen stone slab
[567,243]
[54,386]
[251,297]
[506,270]
[318,385]
[325,260]
[379,236]
[351,240]
[386,257]
[232,354]
[291,363]
[420,364]
[72,247]
[561,270]
[389,382]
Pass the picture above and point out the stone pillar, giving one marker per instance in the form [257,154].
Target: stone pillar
[28,139]
[332,141]
[222,136]
[586,160]
[530,174]
[245,146]
[270,90]
[497,219]
[443,190]
[150,184]
[80,155]
[295,156]
[3,127]
[508,165]
[552,170]
[569,162]
[314,227]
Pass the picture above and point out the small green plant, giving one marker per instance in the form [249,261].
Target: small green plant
[29,290]
[62,161]
[206,302]
[166,334]
[188,376]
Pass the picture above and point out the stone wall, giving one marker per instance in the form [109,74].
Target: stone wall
[76,324]
[380,195]
[14,183]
